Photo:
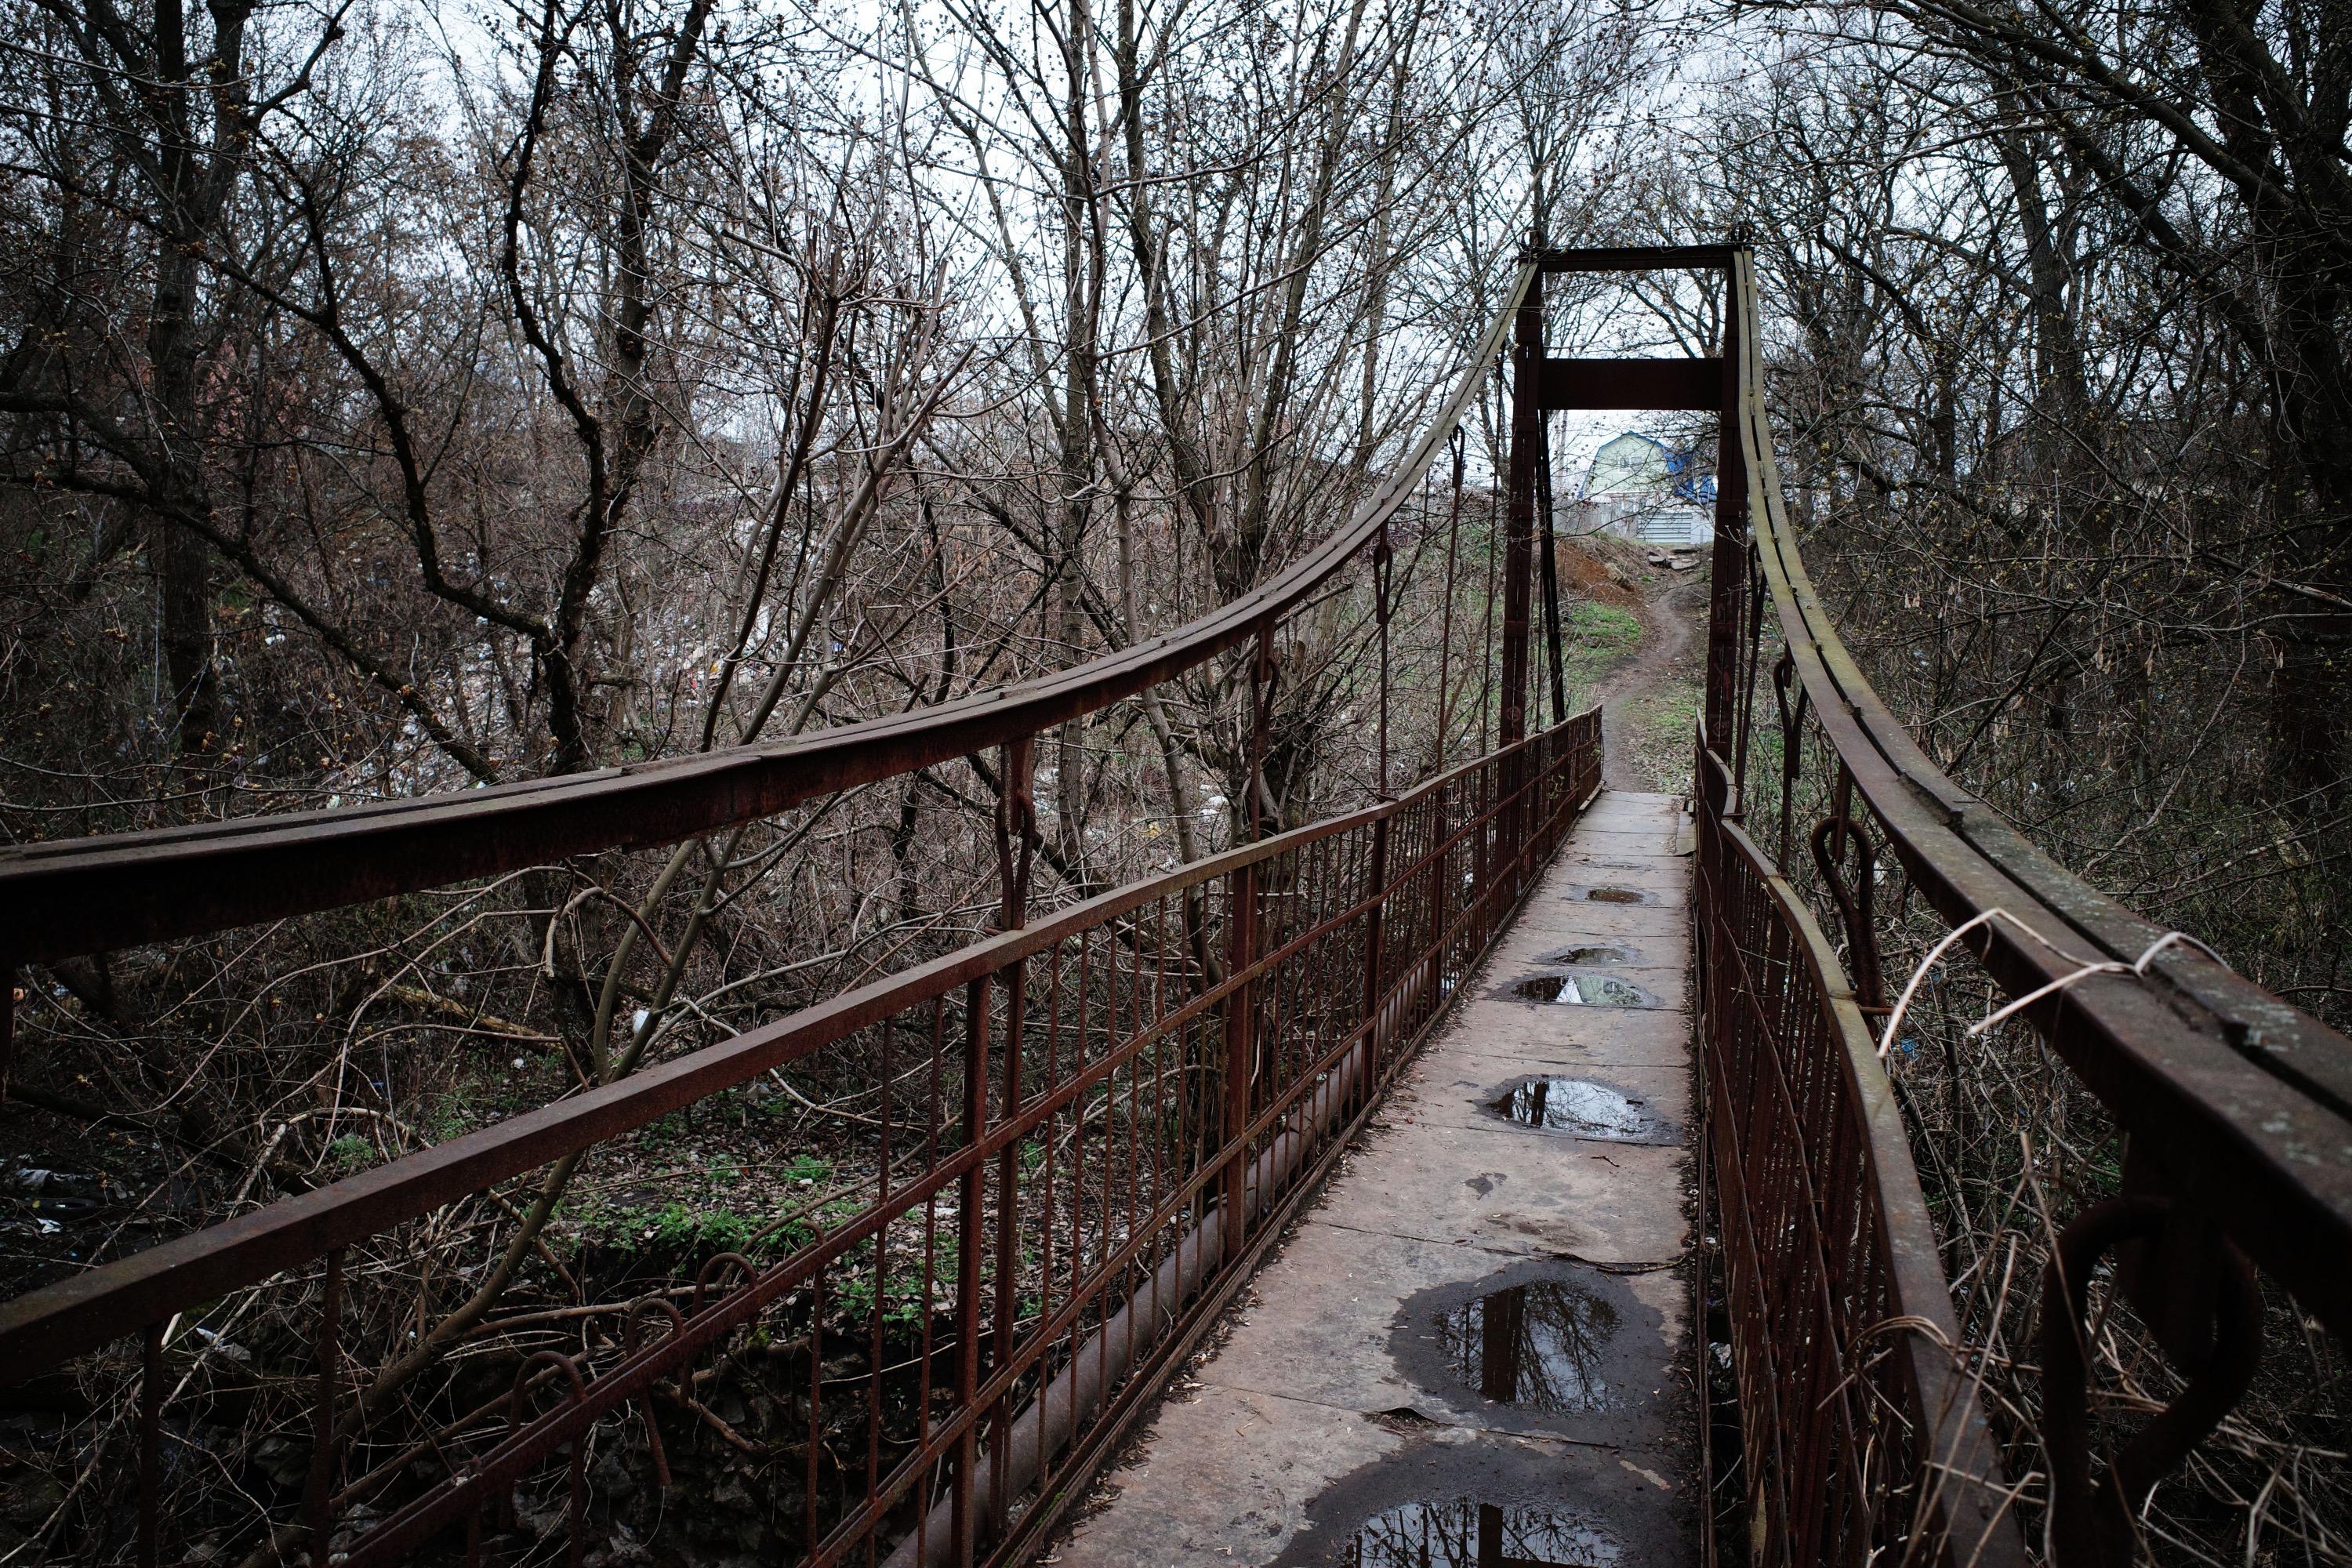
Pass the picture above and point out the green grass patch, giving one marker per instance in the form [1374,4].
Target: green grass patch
[1599,638]
[350,1153]
[1606,627]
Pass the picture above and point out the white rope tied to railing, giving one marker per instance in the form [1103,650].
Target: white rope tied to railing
[2086,968]
[2137,967]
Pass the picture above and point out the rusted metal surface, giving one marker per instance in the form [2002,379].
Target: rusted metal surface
[1827,1246]
[2243,1102]
[2236,1108]
[1519,532]
[58,1322]
[1848,863]
[1861,1428]
[2091,1516]
[1688,383]
[7,1026]
[1079,1032]
[1635,258]
[316,1507]
[1312,1062]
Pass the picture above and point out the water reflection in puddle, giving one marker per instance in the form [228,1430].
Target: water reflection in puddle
[1585,991]
[1467,1533]
[1538,1346]
[1594,954]
[1577,1106]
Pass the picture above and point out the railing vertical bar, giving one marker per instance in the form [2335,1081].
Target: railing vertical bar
[928,1315]
[151,1441]
[322,1415]
[815,1446]
[970,1242]
[1015,825]
[7,1026]
[1376,880]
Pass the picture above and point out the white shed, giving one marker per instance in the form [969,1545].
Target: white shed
[1645,489]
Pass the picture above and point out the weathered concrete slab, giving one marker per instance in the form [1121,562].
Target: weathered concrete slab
[1290,1483]
[1624,870]
[1475,1345]
[1425,1362]
[1229,1479]
[1602,841]
[1603,885]
[1580,1036]
[1598,923]
[1610,1204]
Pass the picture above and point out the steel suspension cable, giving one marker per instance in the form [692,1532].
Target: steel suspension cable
[1445,615]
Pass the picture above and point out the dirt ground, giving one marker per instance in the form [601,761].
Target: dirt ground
[1649,698]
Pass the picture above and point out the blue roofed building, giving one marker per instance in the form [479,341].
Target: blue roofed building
[1641,488]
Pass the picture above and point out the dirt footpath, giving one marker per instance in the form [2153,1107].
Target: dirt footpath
[1649,700]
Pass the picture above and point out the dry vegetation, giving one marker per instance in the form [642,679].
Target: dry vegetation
[398,402]
[2059,385]
[391,406]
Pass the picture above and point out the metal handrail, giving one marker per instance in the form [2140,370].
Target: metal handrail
[83,1311]
[1502,815]
[2242,1100]
[1959,1500]
[90,895]
[62,898]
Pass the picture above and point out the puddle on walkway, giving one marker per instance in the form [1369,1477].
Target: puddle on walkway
[1597,953]
[1575,1106]
[1616,896]
[1584,991]
[1467,1533]
[1540,1346]
[1561,1346]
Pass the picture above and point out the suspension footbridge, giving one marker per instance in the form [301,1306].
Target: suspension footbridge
[1507,1172]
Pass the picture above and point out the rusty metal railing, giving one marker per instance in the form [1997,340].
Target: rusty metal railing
[1862,1435]
[1084,1132]
[93,895]
[1861,1428]
[2233,1110]
[1072,1137]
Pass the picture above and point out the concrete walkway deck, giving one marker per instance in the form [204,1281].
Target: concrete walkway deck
[1473,1349]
